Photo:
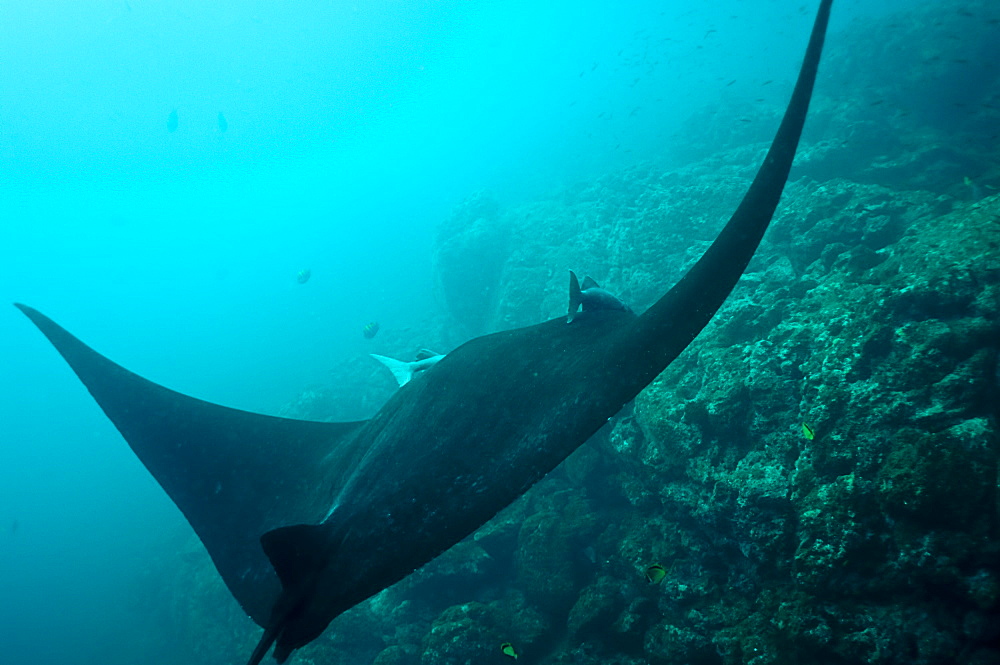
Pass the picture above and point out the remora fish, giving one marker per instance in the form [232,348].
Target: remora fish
[304,520]
[591,296]
[404,371]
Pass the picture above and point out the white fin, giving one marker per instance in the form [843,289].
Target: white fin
[403,371]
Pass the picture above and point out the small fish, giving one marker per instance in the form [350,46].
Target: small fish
[507,649]
[975,191]
[303,276]
[655,573]
[14,526]
[591,296]
[370,330]
[223,123]
[172,121]
[808,431]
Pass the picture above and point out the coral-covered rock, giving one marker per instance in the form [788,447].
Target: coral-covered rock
[473,633]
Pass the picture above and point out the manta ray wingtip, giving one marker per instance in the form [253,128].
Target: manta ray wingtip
[36,317]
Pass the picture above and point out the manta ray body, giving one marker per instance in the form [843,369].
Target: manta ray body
[304,519]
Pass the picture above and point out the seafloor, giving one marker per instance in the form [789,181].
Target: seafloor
[871,313]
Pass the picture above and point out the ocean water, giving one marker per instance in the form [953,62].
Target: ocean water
[167,170]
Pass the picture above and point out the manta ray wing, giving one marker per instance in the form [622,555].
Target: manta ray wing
[234,474]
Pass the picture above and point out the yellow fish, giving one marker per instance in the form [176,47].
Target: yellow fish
[655,573]
[808,431]
[508,650]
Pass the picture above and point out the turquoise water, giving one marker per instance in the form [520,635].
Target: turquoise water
[351,131]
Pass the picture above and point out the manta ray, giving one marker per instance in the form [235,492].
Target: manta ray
[303,520]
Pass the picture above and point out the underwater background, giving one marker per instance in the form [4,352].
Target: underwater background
[222,196]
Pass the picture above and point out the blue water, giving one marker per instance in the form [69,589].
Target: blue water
[351,130]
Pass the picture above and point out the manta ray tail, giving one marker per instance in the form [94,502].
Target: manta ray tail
[298,555]
[266,640]
[235,475]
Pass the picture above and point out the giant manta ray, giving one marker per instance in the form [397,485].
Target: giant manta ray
[304,520]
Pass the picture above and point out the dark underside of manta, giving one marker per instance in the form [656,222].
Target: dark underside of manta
[301,518]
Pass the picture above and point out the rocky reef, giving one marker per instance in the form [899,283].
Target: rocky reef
[818,474]
[873,317]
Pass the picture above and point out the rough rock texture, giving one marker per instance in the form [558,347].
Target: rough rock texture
[471,248]
[879,536]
